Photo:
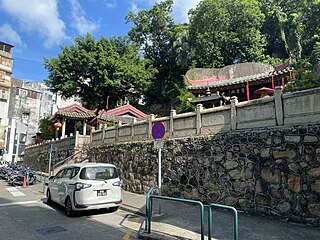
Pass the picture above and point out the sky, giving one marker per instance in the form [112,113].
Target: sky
[37,28]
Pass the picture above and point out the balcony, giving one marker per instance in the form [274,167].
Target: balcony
[5,68]
[4,82]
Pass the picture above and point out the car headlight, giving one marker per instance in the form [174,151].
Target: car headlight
[79,186]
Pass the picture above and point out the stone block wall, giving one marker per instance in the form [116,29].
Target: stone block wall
[271,171]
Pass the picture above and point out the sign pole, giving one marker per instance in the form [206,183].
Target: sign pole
[159,180]
[158,132]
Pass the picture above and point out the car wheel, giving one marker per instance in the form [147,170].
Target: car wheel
[49,200]
[68,205]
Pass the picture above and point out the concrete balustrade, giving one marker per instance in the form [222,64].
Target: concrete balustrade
[278,110]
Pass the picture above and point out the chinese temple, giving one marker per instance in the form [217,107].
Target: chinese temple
[124,114]
[73,118]
[241,80]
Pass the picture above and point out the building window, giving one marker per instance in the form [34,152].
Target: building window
[25,117]
[23,93]
[23,138]
[3,94]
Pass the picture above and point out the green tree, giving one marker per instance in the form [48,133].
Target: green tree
[226,31]
[157,35]
[292,27]
[44,125]
[185,98]
[304,78]
[93,69]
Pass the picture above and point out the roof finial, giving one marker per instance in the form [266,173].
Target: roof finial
[208,92]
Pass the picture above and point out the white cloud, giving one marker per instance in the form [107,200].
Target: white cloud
[37,16]
[134,7]
[110,4]
[9,35]
[81,23]
[180,7]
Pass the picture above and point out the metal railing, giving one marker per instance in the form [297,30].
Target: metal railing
[235,219]
[149,202]
[149,209]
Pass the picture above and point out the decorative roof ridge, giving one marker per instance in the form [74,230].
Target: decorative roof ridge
[75,105]
[124,109]
[284,65]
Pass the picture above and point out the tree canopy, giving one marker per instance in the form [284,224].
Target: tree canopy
[156,34]
[93,69]
[223,32]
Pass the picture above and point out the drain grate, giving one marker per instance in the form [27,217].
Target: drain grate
[51,230]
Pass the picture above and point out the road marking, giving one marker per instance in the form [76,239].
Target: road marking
[131,228]
[15,192]
[20,203]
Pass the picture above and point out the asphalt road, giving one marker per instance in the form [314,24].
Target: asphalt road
[24,214]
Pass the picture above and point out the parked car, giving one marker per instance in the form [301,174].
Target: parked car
[86,186]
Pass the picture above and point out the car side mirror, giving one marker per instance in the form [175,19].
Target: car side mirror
[51,178]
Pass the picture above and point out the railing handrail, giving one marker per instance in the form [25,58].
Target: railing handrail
[58,164]
[148,225]
[150,196]
[235,219]
[149,209]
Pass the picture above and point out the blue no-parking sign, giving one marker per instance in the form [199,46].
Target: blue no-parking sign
[158,130]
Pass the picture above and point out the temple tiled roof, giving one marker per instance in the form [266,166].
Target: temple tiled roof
[114,118]
[73,111]
[241,80]
[207,98]
[127,109]
[75,115]
[126,114]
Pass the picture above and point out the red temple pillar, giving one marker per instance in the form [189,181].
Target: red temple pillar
[247,90]
[282,84]
[272,81]
[290,72]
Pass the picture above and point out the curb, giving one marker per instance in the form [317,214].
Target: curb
[142,234]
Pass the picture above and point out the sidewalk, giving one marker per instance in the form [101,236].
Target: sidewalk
[182,221]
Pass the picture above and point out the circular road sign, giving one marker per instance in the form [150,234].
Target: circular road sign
[158,130]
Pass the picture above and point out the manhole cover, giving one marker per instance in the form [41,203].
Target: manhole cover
[51,230]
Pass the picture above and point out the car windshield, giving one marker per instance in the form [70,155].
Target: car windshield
[98,173]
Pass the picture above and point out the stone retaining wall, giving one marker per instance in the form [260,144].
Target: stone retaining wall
[272,171]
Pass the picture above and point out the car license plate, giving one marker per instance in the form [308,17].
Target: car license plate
[102,193]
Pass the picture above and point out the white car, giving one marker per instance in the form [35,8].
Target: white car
[86,186]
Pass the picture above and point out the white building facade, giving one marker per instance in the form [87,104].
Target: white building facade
[5,85]
[29,103]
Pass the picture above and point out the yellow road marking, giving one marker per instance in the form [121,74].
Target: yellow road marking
[133,225]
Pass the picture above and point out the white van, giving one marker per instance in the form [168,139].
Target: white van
[86,186]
